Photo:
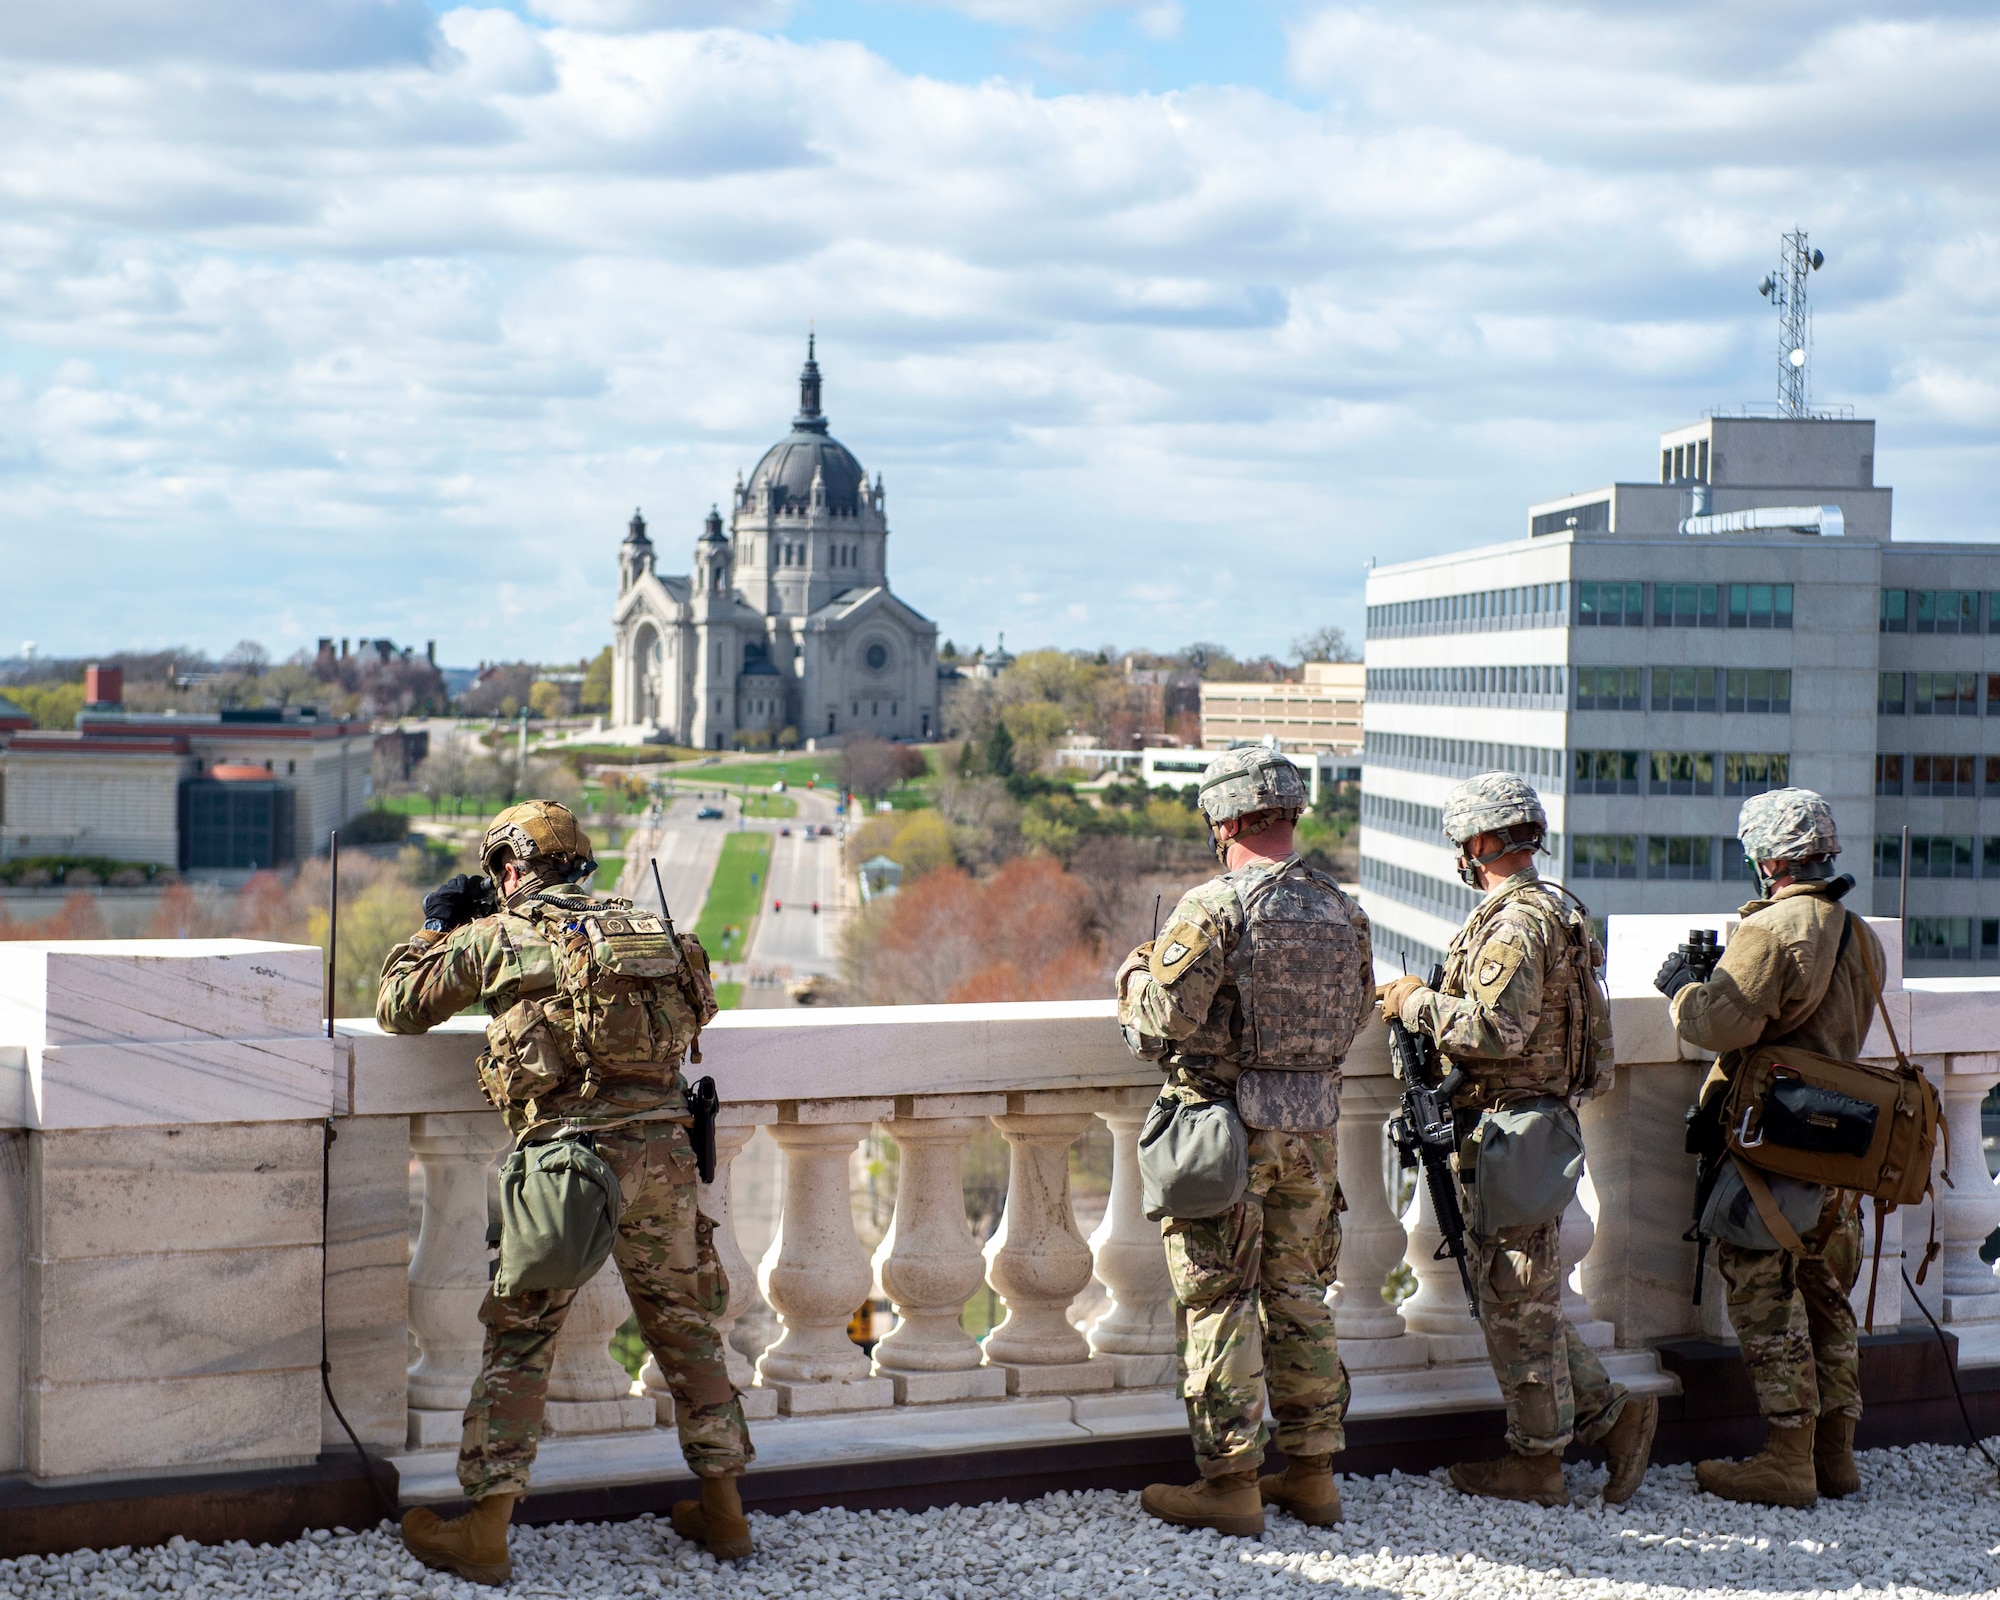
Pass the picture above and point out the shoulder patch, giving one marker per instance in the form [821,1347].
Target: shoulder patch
[1177,949]
[1498,959]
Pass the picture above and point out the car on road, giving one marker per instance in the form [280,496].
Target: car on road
[818,990]
[784,833]
[709,814]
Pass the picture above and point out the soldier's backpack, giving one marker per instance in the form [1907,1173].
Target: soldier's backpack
[1302,995]
[629,993]
[1843,1124]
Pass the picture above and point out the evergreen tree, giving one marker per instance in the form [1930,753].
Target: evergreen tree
[1000,751]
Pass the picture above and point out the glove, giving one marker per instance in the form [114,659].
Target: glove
[449,905]
[1674,975]
[1393,993]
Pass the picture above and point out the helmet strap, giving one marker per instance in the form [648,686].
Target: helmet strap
[1519,837]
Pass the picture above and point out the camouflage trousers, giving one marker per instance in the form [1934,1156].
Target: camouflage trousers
[1794,1319]
[1250,1305]
[666,1255]
[1555,1387]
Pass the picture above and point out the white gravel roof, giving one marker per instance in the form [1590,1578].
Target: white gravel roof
[1927,1522]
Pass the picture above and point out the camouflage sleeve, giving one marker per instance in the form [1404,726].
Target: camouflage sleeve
[1169,996]
[1492,1021]
[1750,986]
[428,978]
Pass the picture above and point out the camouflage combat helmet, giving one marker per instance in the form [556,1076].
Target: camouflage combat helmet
[1254,778]
[1497,803]
[534,829]
[1787,825]
[1243,782]
[1493,802]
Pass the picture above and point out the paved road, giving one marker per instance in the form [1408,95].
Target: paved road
[687,850]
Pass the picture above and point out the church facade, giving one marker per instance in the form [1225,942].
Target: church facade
[786,621]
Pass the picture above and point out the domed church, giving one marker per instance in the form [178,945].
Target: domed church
[786,621]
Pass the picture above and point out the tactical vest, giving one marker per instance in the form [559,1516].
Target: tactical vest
[1568,1055]
[1294,968]
[630,997]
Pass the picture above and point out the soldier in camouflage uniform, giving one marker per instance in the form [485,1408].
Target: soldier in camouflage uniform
[1788,974]
[509,964]
[1521,1013]
[1250,1285]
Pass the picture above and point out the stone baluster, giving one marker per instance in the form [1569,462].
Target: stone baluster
[1037,1261]
[448,1280]
[735,1126]
[589,1392]
[1136,1336]
[1579,1233]
[928,1262]
[1438,1310]
[1372,1240]
[816,1274]
[1969,1210]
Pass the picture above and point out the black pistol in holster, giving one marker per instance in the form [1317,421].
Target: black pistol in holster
[1425,1131]
[704,1103]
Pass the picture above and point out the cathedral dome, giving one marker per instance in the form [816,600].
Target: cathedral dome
[789,468]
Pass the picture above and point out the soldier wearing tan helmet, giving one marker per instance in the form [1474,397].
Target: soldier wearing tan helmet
[1522,1013]
[577,1046]
[1802,969]
[1249,1000]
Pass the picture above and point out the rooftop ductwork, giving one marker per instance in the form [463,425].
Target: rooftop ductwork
[1825,521]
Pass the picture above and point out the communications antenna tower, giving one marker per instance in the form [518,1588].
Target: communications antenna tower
[1786,289]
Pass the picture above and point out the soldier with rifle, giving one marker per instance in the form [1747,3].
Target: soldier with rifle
[1519,1011]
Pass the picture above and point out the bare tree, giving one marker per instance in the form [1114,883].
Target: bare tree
[870,766]
[1326,643]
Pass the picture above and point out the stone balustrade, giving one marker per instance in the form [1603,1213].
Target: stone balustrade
[165,1107]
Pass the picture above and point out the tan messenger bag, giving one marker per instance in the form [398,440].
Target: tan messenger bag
[1844,1124]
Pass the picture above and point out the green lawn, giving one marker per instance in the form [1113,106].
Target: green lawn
[610,866]
[770,805]
[469,807]
[795,770]
[729,996]
[733,898]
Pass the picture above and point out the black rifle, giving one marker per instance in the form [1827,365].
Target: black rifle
[1706,1140]
[1423,1130]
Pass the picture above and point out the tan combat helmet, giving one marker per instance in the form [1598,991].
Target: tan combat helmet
[538,830]
[1246,781]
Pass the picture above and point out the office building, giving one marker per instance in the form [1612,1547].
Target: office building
[1652,653]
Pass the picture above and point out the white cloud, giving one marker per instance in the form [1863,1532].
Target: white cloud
[638,16]
[350,344]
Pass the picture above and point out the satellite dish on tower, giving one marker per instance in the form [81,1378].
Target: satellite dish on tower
[1786,290]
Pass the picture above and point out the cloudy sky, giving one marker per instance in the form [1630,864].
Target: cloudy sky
[1158,317]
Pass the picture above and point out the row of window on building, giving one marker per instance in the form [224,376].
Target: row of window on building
[1642,604]
[1938,855]
[1935,694]
[1938,611]
[1743,772]
[1954,776]
[1423,752]
[1672,857]
[1730,689]
[1684,605]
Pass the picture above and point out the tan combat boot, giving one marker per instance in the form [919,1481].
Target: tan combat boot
[474,1546]
[1833,1456]
[1537,1479]
[1305,1488]
[1628,1447]
[716,1519]
[1229,1503]
[1781,1474]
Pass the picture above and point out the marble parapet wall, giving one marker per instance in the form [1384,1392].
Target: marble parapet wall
[164,1118]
